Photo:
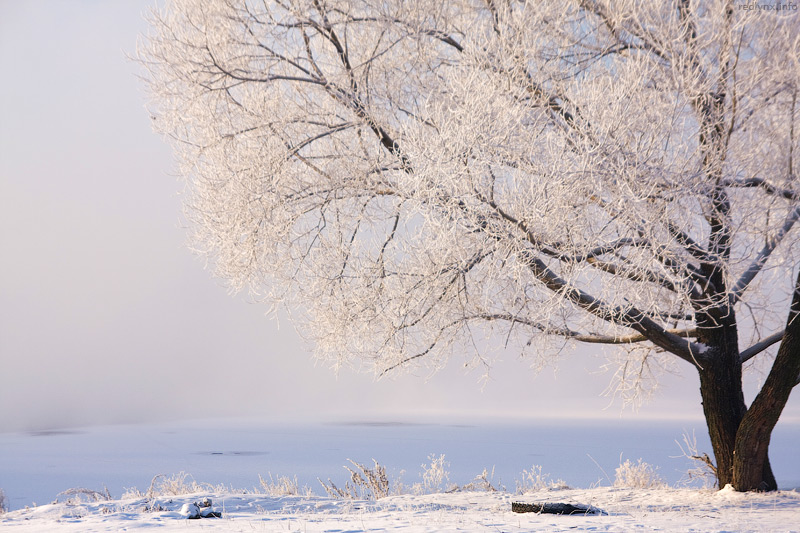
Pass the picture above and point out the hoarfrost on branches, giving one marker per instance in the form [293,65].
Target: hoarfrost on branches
[409,174]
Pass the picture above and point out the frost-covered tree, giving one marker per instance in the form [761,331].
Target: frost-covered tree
[412,175]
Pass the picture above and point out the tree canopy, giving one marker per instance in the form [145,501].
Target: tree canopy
[411,176]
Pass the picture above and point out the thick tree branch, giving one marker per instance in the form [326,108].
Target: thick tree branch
[629,317]
[764,185]
[595,338]
[690,245]
[765,410]
[589,338]
[629,339]
[760,346]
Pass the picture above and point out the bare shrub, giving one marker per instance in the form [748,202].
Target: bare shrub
[175,485]
[346,493]
[3,504]
[365,483]
[640,475]
[434,475]
[373,482]
[281,486]
[483,482]
[533,480]
[170,485]
[76,495]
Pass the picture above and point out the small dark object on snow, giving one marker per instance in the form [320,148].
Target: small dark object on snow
[553,508]
[194,511]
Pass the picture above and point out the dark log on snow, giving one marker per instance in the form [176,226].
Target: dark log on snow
[554,508]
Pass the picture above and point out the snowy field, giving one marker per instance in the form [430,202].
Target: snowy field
[623,510]
[129,477]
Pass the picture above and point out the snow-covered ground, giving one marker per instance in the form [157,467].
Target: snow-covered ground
[663,509]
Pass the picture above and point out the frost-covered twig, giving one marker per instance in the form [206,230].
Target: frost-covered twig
[706,471]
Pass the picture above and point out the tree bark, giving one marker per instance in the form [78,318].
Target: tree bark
[751,469]
[722,395]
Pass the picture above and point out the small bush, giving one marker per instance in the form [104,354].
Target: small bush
[434,476]
[164,486]
[76,495]
[637,476]
[533,480]
[3,504]
[365,483]
[281,486]
[346,493]
[175,485]
[483,482]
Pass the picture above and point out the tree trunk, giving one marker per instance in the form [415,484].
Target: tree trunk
[721,382]
[724,408]
[751,469]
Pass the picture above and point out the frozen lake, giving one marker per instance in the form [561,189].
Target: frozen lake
[36,467]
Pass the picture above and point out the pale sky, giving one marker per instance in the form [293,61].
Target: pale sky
[107,317]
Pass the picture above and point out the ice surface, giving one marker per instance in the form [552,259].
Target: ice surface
[37,467]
